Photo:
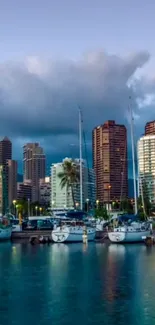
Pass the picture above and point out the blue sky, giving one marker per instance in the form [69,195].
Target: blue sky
[56,55]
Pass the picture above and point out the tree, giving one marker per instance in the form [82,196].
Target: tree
[101,213]
[70,176]
[115,205]
[126,206]
[21,206]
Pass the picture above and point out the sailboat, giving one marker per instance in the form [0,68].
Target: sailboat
[131,231]
[75,231]
[5,229]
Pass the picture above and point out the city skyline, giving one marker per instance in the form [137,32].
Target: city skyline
[48,69]
[110,169]
[73,148]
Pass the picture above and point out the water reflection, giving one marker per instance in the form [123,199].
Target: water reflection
[87,284]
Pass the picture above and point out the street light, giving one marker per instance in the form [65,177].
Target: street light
[97,203]
[87,200]
[14,204]
[40,209]
[53,202]
[109,187]
[36,208]
[28,203]
[17,206]
[76,204]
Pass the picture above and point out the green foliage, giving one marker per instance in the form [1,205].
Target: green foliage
[115,205]
[70,176]
[127,206]
[101,213]
[22,207]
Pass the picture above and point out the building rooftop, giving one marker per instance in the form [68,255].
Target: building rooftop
[4,138]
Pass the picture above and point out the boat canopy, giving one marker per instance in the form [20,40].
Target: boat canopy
[128,217]
[76,215]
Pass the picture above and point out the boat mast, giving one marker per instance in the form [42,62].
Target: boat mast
[133,157]
[142,194]
[80,147]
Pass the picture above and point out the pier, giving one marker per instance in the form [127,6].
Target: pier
[29,233]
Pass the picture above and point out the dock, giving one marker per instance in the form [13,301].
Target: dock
[29,233]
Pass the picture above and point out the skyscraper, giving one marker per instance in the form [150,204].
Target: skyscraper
[3,193]
[62,197]
[146,165]
[34,167]
[5,155]
[5,151]
[150,128]
[12,180]
[45,191]
[110,161]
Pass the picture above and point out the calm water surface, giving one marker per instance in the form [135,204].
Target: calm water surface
[74,284]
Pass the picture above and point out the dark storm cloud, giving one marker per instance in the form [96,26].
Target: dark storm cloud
[39,99]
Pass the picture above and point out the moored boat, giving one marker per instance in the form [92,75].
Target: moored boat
[135,232]
[5,229]
[5,233]
[73,232]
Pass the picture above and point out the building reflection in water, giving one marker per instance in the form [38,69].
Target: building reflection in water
[115,259]
[65,284]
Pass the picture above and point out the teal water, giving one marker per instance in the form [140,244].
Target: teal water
[74,284]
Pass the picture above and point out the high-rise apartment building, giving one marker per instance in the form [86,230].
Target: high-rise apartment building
[150,128]
[5,150]
[24,191]
[146,165]
[89,184]
[45,191]
[5,155]
[34,167]
[110,161]
[62,197]
[3,193]
[12,180]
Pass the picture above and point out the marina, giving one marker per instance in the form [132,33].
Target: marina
[77,163]
[26,235]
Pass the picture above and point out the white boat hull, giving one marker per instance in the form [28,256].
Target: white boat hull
[72,234]
[128,237]
[16,228]
[5,234]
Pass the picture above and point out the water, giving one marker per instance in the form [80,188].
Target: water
[74,284]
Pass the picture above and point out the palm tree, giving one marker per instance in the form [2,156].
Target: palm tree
[70,176]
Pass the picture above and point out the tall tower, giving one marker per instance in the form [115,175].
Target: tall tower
[62,197]
[34,167]
[5,151]
[12,180]
[110,161]
[150,128]
[146,165]
[5,155]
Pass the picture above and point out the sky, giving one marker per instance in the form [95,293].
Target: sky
[58,55]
